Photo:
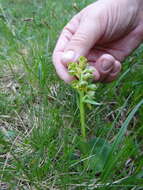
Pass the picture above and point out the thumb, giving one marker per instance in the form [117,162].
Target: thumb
[82,41]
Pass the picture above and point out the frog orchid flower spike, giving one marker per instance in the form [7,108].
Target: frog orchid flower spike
[84,77]
[84,86]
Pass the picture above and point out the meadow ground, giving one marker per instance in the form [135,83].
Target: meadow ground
[39,117]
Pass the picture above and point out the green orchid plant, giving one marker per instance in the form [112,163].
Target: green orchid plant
[83,83]
[98,147]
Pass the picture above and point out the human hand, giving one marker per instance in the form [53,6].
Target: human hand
[106,32]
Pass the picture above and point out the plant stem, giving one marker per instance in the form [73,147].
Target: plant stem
[82,115]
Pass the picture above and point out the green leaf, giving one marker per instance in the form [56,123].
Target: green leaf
[92,87]
[92,102]
[96,151]
[140,175]
[111,159]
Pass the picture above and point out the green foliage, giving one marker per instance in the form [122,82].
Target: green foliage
[96,151]
[40,147]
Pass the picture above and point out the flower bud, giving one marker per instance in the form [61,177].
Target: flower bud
[90,93]
[83,83]
[72,72]
[92,87]
[87,76]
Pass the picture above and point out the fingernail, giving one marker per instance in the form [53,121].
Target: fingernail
[68,56]
[117,68]
[106,65]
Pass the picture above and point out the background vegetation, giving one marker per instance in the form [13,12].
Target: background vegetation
[39,119]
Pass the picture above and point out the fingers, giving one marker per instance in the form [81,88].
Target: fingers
[61,69]
[76,40]
[107,68]
[67,33]
[83,40]
[114,72]
[65,37]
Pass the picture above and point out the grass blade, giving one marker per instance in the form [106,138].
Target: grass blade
[110,162]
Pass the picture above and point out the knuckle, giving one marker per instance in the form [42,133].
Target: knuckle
[79,39]
[67,34]
[68,29]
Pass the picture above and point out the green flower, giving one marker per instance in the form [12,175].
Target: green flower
[84,74]
[84,86]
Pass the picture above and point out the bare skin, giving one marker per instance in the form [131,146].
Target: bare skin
[106,32]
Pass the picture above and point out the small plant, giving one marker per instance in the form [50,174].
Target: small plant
[83,83]
[95,149]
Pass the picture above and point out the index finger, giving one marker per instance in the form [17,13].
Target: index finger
[65,37]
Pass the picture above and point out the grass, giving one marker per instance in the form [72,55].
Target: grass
[40,146]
